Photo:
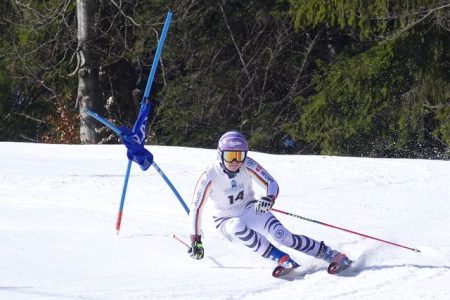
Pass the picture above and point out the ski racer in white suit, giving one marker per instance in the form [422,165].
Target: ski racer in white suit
[239,216]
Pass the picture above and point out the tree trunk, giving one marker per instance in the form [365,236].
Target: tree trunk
[89,96]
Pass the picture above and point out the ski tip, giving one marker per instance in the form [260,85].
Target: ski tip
[335,268]
[416,250]
[280,271]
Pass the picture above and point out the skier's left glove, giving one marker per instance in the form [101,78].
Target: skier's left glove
[196,251]
[264,204]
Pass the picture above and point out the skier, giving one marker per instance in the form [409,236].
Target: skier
[240,217]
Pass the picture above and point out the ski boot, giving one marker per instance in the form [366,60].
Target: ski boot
[338,261]
[285,263]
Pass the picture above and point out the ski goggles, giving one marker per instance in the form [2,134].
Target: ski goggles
[230,156]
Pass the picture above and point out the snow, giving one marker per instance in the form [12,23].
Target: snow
[58,207]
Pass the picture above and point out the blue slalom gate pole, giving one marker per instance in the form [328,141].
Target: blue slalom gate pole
[145,99]
[105,122]
[127,174]
[144,103]
[157,56]
[174,190]
[122,198]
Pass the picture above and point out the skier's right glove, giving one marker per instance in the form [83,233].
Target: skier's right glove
[196,251]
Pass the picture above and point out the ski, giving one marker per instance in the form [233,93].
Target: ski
[333,269]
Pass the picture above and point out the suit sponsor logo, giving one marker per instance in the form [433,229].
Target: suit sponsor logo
[279,233]
[198,195]
[233,183]
[266,176]
[234,187]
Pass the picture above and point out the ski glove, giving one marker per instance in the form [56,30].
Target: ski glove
[264,204]
[196,251]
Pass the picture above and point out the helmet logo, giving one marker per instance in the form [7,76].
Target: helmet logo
[234,143]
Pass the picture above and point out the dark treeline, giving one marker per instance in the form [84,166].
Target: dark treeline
[358,78]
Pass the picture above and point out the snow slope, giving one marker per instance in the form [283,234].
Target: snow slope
[58,207]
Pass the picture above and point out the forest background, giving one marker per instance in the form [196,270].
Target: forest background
[354,78]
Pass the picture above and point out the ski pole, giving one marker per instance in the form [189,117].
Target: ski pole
[181,241]
[343,229]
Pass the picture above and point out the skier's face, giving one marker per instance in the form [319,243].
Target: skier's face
[233,166]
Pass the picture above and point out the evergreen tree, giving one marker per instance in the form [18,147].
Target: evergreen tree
[377,97]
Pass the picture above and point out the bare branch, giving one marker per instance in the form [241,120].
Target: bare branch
[75,72]
[241,57]
[122,12]
[409,26]
[29,117]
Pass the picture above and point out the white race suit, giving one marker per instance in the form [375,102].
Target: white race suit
[233,200]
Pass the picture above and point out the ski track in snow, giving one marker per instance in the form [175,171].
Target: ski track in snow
[58,207]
